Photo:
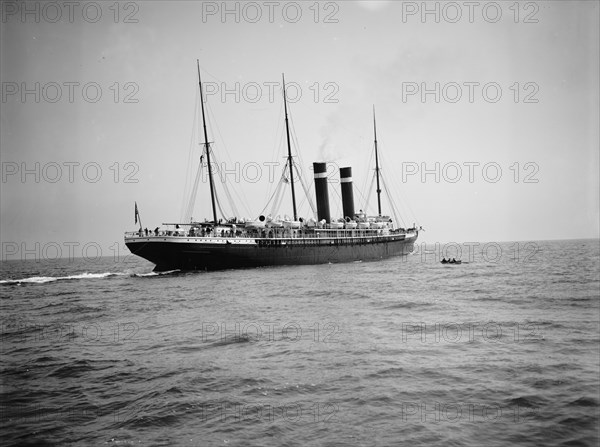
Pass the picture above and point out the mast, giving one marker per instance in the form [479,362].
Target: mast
[377,165]
[207,144]
[290,162]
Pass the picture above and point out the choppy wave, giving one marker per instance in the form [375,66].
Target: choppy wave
[291,355]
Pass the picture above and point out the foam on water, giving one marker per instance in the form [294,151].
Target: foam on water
[143,275]
[86,275]
[46,279]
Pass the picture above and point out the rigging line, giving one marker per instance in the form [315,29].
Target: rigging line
[362,196]
[301,204]
[397,215]
[293,137]
[300,166]
[274,204]
[225,186]
[194,194]
[192,203]
[283,171]
[287,182]
[240,199]
[277,193]
[411,213]
[223,215]
[387,190]
[225,152]
[277,198]
[277,144]
[277,188]
[276,208]
[236,212]
[305,197]
[186,187]
[300,170]
[210,74]
[371,158]
[307,194]
[216,172]
[220,209]
[303,201]
[230,201]
[226,155]
[284,181]
[296,145]
[192,145]
[338,202]
[391,202]
[405,204]
[366,207]
[227,192]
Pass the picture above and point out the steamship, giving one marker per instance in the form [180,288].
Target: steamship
[219,244]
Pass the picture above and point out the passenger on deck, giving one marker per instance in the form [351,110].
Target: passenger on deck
[156,231]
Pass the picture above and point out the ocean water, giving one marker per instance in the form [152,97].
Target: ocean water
[500,350]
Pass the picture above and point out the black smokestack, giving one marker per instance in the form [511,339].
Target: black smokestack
[321,191]
[347,192]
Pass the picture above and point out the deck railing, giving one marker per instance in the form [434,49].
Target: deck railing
[273,234]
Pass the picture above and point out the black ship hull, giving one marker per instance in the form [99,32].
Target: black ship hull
[189,253]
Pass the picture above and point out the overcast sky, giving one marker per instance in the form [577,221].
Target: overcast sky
[499,104]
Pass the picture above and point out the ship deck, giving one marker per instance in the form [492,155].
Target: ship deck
[276,236]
